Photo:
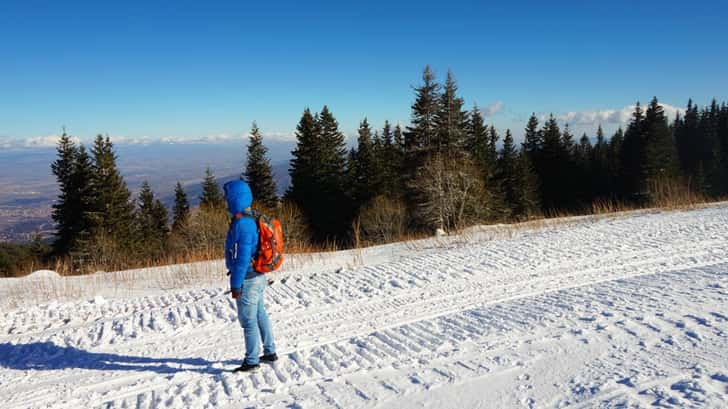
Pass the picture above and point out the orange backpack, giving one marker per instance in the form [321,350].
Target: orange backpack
[269,256]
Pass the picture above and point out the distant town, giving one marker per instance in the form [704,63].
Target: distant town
[21,223]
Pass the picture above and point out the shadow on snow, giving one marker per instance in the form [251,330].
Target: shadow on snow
[49,356]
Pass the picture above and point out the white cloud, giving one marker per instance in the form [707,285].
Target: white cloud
[48,141]
[5,142]
[126,140]
[609,116]
[51,141]
[671,111]
[212,138]
[280,136]
[494,108]
[228,137]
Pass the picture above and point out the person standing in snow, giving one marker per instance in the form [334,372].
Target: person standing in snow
[246,285]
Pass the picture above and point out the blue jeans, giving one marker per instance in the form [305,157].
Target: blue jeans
[254,319]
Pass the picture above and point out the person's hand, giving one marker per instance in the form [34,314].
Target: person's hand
[235,293]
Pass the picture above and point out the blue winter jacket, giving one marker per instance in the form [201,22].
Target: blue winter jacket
[242,238]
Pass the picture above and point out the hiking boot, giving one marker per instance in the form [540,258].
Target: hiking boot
[269,358]
[247,368]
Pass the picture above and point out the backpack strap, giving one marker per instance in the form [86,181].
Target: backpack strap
[239,215]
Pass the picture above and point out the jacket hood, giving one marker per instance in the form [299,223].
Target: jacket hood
[238,196]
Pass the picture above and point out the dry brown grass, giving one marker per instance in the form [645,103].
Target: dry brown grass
[607,206]
[674,196]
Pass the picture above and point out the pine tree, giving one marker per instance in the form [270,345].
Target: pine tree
[389,162]
[258,171]
[85,196]
[478,142]
[567,141]
[720,186]
[632,157]
[422,134]
[527,177]
[387,135]
[74,208]
[499,208]
[333,213]
[600,165]
[364,180]
[701,147]
[304,164]
[507,176]
[600,149]
[151,222]
[492,153]
[146,204]
[211,198]
[517,180]
[377,143]
[181,210]
[333,149]
[616,187]
[399,139]
[380,154]
[420,141]
[584,153]
[584,189]
[708,151]
[160,216]
[533,139]
[451,121]
[114,209]
[65,211]
[552,168]
[660,161]
[700,179]
[318,171]
[551,137]
[398,164]
[688,138]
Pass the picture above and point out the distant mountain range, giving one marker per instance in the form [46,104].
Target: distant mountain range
[194,190]
[28,189]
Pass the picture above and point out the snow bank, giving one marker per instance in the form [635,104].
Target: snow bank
[43,275]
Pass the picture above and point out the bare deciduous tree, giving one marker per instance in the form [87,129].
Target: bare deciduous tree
[383,220]
[452,193]
[296,234]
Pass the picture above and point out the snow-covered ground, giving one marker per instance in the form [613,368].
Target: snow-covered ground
[630,311]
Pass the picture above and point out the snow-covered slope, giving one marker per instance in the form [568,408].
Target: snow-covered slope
[617,312]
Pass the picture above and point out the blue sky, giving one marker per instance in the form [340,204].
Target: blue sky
[187,70]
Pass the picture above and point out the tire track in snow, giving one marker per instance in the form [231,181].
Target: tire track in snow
[495,319]
[386,347]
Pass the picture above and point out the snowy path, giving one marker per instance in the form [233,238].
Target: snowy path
[623,312]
